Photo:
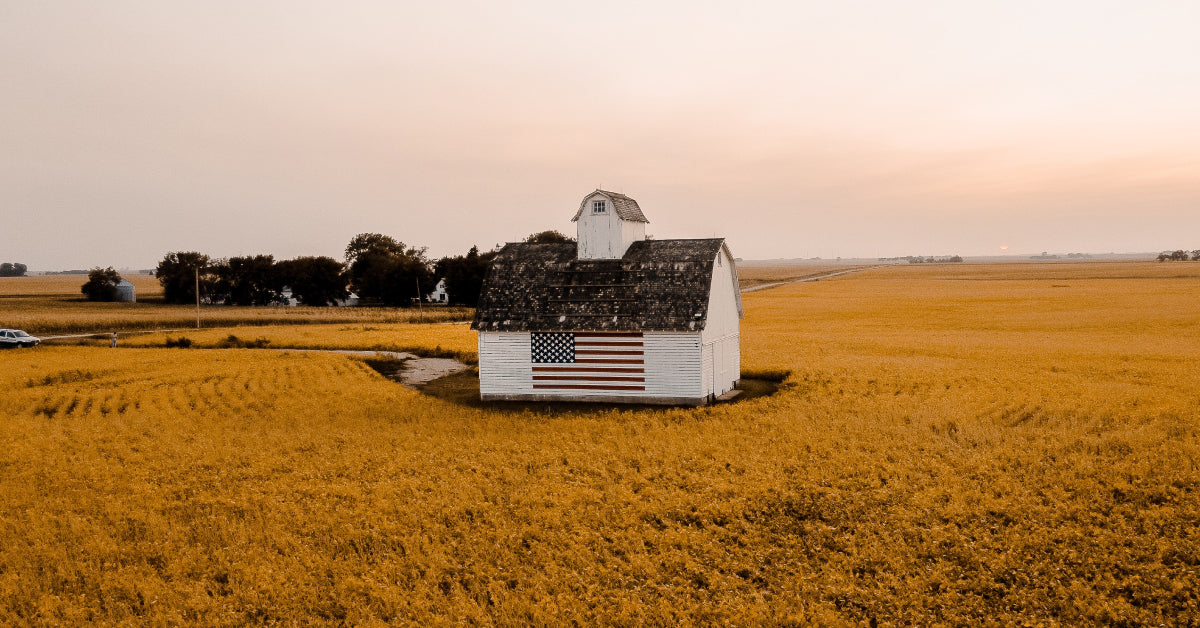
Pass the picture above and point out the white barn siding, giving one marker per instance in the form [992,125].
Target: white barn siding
[721,335]
[672,364]
[605,236]
[504,363]
[706,371]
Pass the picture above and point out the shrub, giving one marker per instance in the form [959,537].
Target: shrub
[233,342]
[101,284]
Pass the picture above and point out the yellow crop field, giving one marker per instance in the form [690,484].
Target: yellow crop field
[43,316]
[455,339]
[762,273]
[68,285]
[954,445]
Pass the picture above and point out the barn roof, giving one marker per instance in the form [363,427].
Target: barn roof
[659,285]
[626,207]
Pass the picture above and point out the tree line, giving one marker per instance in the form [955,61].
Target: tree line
[1179,256]
[13,269]
[917,259]
[378,268]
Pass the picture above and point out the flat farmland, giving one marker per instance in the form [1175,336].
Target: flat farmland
[953,444]
[67,286]
[47,305]
[757,273]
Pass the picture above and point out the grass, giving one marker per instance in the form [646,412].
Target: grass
[436,340]
[963,444]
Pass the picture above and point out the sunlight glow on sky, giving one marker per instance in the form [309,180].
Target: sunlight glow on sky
[794,129]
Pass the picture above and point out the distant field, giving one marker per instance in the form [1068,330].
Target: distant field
[438,339]
[47,317]
[955,445]
[47,305]
[68,285]
[758,273]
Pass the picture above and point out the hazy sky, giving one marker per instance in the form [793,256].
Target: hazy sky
[794,129]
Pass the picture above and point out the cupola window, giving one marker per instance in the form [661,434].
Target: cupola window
[598,207]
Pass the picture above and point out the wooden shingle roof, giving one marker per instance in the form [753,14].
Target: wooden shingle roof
[626,208]
[659,285]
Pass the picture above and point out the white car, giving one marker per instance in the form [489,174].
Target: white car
[10,338]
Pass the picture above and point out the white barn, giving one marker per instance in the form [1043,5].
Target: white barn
[612,318]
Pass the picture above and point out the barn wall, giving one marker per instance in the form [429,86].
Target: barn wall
[504,363]
[706,368]
[721,336]
[672,364]
[631,231]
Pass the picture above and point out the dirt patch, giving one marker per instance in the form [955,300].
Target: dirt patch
[410,370]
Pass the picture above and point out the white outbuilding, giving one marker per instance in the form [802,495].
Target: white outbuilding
[126,292]
[439,294]
[613,317]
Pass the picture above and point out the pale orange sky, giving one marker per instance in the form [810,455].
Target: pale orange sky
[130,129]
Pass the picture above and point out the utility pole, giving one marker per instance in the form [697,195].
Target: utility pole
[197,269]
[420,306]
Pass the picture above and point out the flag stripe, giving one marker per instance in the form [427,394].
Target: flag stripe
[612,361]
[584,378]
[586,387]
[587,369]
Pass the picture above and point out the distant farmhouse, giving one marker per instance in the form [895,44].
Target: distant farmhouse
[439,294]
[613,318]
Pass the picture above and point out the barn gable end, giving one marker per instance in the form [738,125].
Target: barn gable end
[721,340]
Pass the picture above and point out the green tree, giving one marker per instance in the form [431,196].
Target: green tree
[101,284]
[548,237]
[315,281]
[464,275]
[10,269]
[248,280]
[177,274]
[383,270]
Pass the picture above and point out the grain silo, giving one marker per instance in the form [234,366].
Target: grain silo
[126,293]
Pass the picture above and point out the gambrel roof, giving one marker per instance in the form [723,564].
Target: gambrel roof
[627,208]
[659,285]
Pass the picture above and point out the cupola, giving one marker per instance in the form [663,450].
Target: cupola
[606,224]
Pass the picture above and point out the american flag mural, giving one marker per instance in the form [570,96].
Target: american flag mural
[613,361]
